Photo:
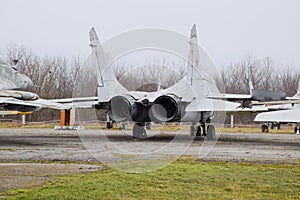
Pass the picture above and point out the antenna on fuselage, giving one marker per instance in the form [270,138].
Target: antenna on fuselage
[15,62]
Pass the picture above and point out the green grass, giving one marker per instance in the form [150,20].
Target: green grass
[28,125]
[183,179]
[289,130]
[7,149]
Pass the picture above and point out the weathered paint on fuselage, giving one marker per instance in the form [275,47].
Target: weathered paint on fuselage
[11,79]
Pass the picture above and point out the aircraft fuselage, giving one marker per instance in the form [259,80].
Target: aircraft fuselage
[11,79]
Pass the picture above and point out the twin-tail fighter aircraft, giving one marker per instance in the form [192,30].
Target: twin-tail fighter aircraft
[189,100]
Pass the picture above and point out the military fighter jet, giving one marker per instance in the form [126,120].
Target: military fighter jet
[14,95]
[290,114]
[186,101]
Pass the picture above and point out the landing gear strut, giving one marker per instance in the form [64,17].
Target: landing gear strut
[193,129]
[139,130]
[208,131]
[211,132]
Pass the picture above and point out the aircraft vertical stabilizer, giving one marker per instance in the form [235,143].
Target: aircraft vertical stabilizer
[108,85]
[193,56]
[194,73]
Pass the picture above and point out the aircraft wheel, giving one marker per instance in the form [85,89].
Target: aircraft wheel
[297,130]
[148,125]
[264,128]
[139,131]
[211,132]
[192,130]
[276,125]
[198,132]
[109,125]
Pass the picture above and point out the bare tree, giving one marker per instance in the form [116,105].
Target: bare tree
[265,74]
[54,77]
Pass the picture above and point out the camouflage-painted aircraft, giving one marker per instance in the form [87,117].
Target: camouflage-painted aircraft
[14,95]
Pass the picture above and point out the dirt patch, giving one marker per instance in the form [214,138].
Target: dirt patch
[21,175]
[29,145]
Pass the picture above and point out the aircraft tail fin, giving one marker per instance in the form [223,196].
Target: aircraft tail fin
[193,56]
[94,40]
[108,85]
[196,77]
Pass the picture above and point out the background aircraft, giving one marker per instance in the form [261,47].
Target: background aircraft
[290,115]
[14,95]
[186,101]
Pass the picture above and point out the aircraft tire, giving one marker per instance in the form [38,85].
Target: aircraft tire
[192,130]
[264,128]
[198,132]
[297,130]
[211,132]
[109,125]
[148,125]
[139,131]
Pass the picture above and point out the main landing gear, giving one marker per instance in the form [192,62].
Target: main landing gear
[297,129]
[208,131]
[139,130]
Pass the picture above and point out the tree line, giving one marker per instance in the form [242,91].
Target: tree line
[265,74]
[55,77]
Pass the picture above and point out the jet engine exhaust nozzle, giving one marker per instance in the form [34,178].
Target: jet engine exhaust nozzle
[119,108]
[166,108]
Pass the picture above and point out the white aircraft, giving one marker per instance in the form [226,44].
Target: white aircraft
[290,115]
[189,100]
[14,95]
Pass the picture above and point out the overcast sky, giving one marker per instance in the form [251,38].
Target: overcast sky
[228,29]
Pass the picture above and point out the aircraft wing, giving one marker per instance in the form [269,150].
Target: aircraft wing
[211,105]
[40,103]
[292,115]
[13,112]
[77,102]
[280,102]
[259,108]
[76,99]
